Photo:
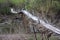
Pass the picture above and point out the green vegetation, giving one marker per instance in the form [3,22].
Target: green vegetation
[38,5]
[3,1]
[46,8]
[41,6]
[39,37]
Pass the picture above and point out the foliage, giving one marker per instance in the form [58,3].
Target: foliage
[38,5]
[4,10]
[42,6]
[3,1]
[18,2]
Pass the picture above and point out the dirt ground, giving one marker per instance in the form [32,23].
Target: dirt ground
[15,37]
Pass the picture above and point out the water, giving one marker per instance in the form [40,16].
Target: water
[47,25]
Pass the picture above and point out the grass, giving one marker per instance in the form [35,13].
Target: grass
[13,1]
[39,37]
[17,2]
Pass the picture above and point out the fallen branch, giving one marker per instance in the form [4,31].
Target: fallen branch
[47,25]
